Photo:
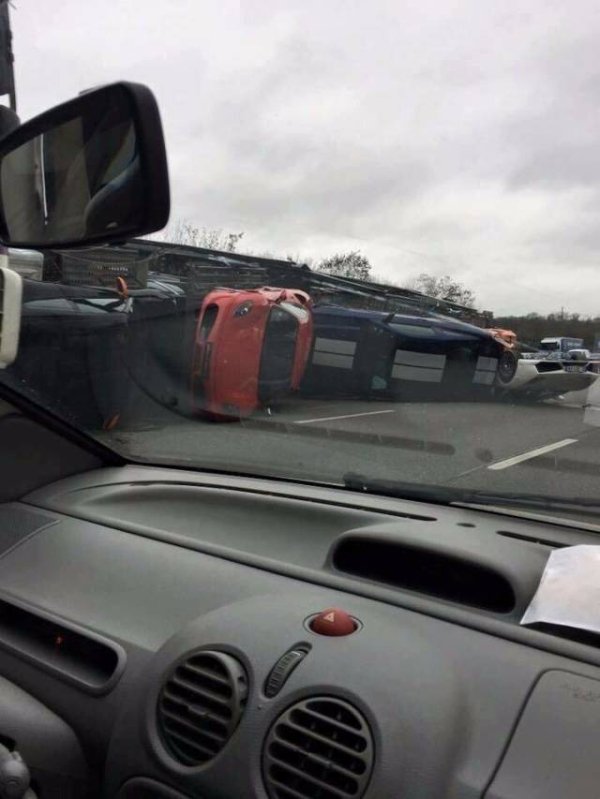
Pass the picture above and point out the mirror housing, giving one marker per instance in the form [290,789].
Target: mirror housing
[90,171]
[11,290]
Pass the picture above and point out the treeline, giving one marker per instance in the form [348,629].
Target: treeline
[530,329]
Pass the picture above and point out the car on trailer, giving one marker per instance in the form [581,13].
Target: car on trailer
[398,355]
[251,348]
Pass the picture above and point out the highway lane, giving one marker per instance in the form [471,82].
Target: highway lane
[543,448]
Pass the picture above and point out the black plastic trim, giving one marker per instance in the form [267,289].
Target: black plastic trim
[142,788]
[283,669]
[53,498]
[26,652]
[425,571]
[153,159]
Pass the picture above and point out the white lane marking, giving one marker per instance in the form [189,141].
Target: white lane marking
[531,454]
[347,416]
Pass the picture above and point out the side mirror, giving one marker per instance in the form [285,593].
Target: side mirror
[90,171]
[11,289]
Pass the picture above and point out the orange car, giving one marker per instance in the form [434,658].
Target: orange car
[509,337]
[250,349]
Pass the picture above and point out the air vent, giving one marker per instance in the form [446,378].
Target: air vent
[200,706]
[320,748]
[424,570]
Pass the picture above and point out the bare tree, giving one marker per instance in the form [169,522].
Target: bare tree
[443,288]
[185,232]
[350,264]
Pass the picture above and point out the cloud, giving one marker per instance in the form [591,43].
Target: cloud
[456,139]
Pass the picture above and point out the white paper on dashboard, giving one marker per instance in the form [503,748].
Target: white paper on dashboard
[569,591]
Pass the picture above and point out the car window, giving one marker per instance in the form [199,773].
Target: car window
[382,245]
[296,310]
[279,345]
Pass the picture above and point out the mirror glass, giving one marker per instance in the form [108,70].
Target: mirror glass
[78,178]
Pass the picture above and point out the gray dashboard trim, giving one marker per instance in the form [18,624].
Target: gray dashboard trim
[61,497]
[333,495]
[515,724]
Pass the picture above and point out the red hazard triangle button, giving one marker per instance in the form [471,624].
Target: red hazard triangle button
[333,621]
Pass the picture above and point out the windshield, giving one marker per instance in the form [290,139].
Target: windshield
[278,350]
[549,346]
[379,213]
[295,310]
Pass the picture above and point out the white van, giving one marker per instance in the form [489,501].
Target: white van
[560,344]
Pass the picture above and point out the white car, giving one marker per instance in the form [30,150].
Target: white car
[539,376]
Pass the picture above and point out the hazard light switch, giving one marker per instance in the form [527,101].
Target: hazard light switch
[333,621]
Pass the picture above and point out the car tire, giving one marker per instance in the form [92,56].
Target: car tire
[507,367]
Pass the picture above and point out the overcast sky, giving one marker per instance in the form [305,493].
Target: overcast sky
[446,137]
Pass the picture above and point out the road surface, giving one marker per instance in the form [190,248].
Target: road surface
[546,448]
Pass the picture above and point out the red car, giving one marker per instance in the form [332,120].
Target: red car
[250,348]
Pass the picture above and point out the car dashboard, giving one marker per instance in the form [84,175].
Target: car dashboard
[157,640]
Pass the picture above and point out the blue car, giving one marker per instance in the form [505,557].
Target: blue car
[370,353]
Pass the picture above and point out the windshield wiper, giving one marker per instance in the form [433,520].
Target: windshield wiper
[450,495]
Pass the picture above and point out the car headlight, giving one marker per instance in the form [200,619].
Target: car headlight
[244,308]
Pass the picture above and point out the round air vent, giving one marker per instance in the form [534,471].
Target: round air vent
[200,706]
[320,747]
